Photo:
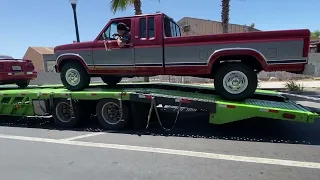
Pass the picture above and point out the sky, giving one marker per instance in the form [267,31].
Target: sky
[25,23]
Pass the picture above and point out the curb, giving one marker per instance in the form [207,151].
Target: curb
[273,89]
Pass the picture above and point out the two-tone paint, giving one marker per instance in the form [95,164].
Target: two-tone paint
[285,50]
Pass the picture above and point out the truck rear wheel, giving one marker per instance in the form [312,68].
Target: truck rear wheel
[111,80]
[74,77]
[111,116]
[235,81]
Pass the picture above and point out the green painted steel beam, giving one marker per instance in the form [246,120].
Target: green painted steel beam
[226,111]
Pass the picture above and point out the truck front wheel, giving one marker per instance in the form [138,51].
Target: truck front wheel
[235,81]
[74,77]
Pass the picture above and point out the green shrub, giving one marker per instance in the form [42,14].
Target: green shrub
[293,86]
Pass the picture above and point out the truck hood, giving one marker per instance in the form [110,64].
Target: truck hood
[75,45]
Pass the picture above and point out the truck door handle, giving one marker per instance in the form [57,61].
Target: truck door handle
[87,54]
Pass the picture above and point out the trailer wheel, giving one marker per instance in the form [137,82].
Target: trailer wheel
[111,80]
[235,81]
[62,115]
[74,77]
[23,84]
[111,116]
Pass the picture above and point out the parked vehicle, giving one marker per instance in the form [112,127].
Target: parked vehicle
[16,71]
[157,48]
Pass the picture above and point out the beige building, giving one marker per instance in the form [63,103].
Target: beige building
[42,58]
[194,26]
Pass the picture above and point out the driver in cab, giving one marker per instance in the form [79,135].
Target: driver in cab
[124,34]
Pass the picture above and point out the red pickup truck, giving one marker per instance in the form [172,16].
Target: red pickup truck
[157,48]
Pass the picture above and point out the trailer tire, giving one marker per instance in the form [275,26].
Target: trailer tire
[110,115]
[23,84]
[74,77]
[111,80]
[61,115]
[244,78]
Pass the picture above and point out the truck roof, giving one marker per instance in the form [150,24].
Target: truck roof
[139,15]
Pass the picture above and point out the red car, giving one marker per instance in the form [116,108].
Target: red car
[16,71]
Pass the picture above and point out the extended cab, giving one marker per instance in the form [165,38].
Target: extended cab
[157,48]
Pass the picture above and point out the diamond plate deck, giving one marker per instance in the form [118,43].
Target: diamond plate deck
[274,104]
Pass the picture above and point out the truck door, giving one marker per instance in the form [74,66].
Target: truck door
[107,54]
[148,49]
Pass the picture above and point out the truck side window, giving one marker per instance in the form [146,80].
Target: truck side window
[151,27]
[178,30]
[167,29]
[143,28]
[110,31]
[171,28]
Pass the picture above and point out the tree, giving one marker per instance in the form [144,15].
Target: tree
[122,5]
[225,5]
[315,34]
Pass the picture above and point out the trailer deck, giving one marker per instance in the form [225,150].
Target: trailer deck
[144,98]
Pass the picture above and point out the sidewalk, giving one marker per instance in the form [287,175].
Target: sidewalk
[281,84]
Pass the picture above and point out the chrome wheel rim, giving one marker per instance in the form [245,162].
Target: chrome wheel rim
[73,77]
[235,82]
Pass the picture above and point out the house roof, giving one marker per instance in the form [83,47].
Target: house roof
[215,21]
[43,50]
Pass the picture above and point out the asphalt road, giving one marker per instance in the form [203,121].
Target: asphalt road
[33,149]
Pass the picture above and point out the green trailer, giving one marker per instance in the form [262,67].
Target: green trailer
[117,106]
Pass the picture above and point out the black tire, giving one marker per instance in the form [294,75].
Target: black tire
[61,113]
[111,80]
[23,84]
[240,69]
[106,122]
[82,73]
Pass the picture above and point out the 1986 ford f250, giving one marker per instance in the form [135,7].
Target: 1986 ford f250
[157,48]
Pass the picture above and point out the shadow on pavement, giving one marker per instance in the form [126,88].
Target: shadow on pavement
[189,125]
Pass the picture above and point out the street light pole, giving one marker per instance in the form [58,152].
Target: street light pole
[74,8]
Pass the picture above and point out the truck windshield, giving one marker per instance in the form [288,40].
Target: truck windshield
[171,28]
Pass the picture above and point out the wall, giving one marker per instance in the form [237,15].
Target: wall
[314,58]
[36,59]
[200,26]
[49,61]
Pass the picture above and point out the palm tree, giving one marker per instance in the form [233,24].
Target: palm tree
[122,5]
[225,5]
